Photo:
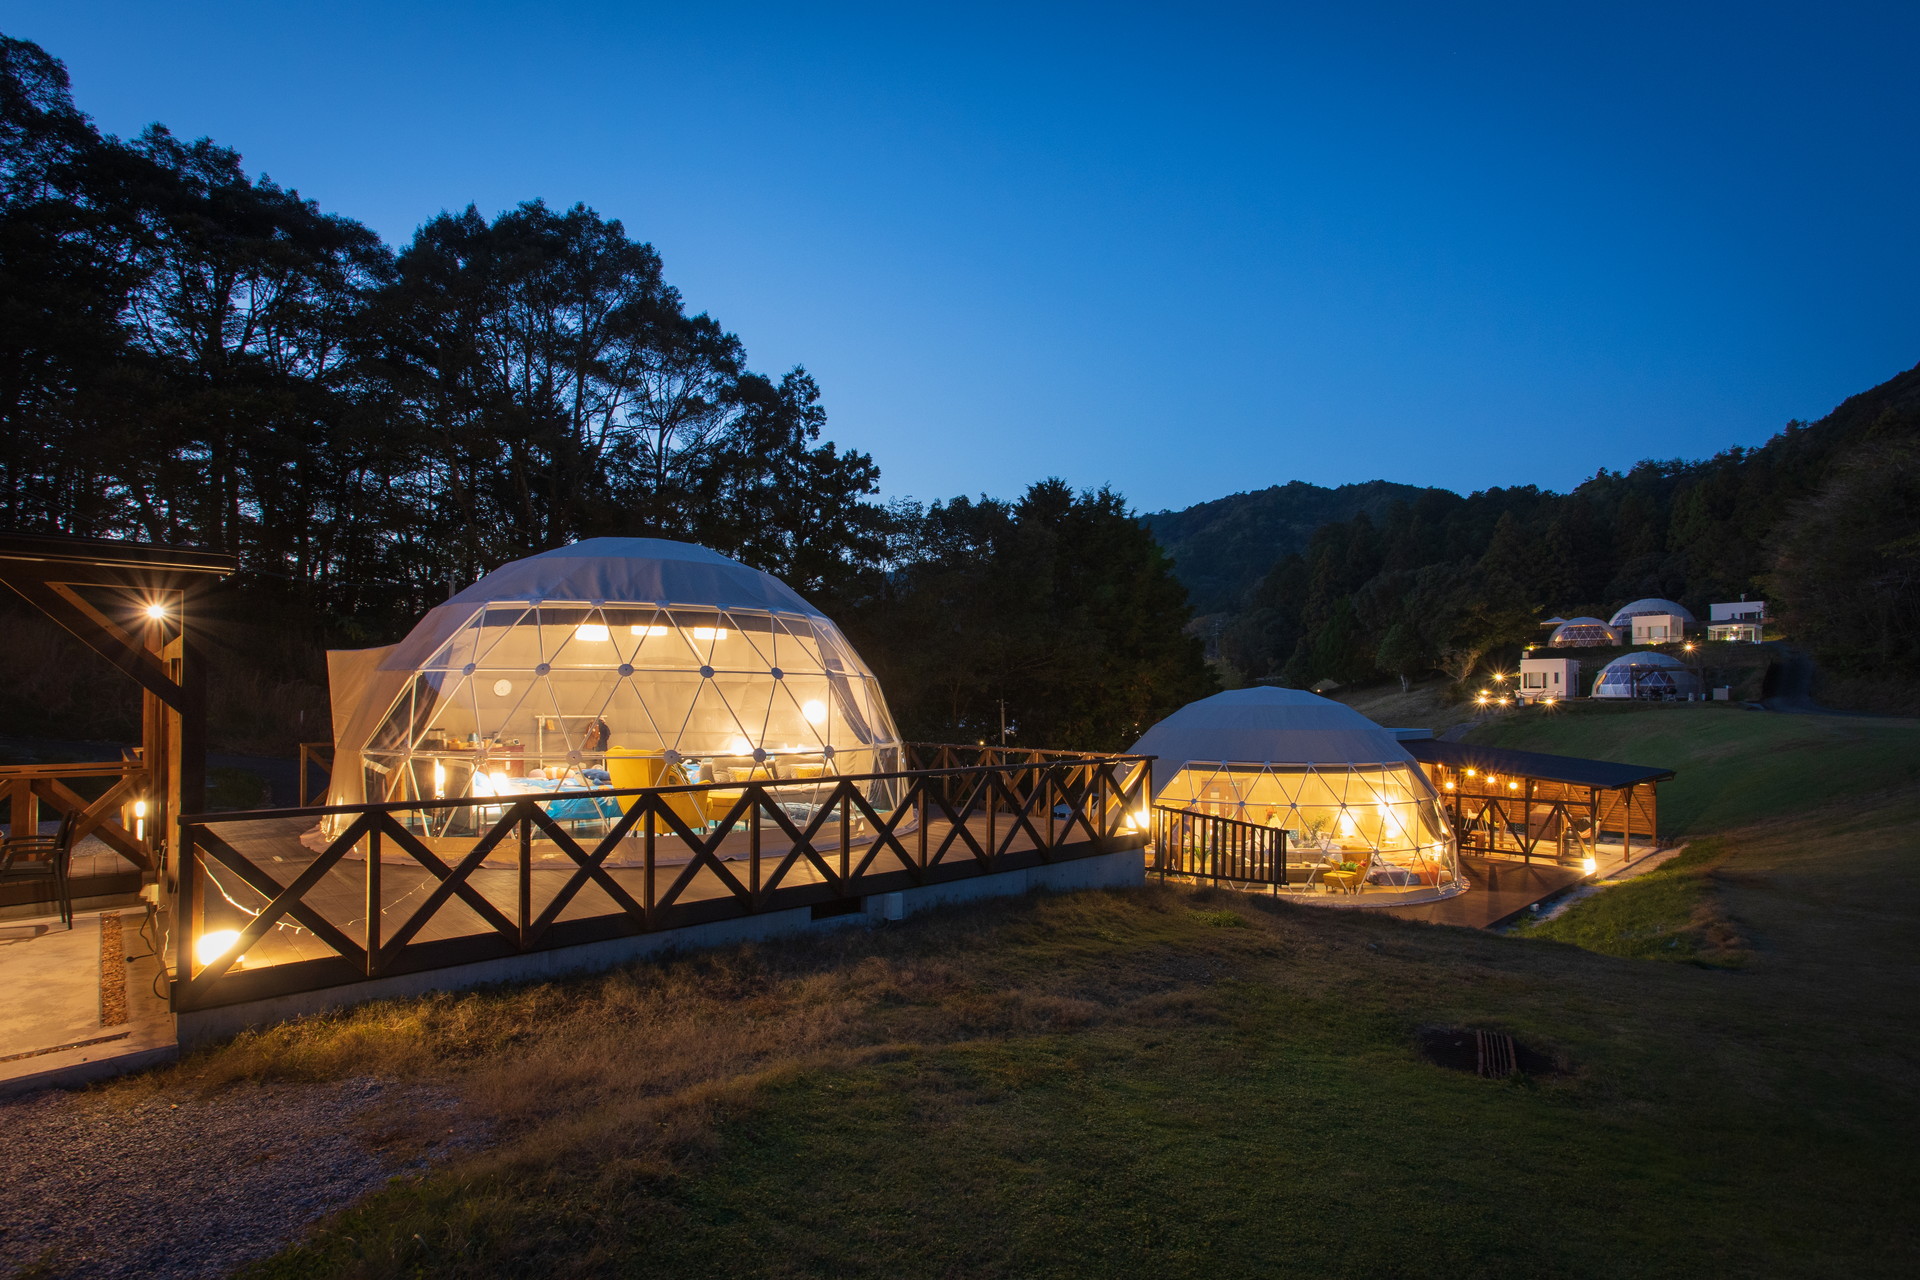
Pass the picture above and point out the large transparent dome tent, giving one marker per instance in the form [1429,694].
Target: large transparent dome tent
[611,663]
[1363,825]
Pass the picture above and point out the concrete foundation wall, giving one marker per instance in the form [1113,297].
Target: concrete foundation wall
[1107,871]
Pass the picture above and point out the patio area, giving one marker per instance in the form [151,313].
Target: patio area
[93,1011]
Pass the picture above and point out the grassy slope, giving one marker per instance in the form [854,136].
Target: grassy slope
[1129,1084]
[1734,766]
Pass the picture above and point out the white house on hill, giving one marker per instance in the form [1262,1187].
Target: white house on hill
[1743,620]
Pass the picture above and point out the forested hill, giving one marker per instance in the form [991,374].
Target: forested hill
[1823,520]
[1221,548]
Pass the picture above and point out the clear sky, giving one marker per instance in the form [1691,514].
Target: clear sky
[1187,250]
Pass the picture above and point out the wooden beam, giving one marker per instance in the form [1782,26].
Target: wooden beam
[98,632]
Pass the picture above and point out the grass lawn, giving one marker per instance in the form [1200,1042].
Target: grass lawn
[1735,766]
[1169,1083]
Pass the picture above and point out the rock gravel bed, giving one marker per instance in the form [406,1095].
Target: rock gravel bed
[185,1185]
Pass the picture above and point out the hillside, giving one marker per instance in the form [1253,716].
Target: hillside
[1220,548]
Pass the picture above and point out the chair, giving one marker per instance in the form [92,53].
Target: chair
[38,857]
[1349,881]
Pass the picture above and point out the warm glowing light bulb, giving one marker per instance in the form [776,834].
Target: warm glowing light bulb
[1590,865]
[139,808]
[156,611]
[739,747]
[209,947]
[1513,786]
[815,711]
[592,631]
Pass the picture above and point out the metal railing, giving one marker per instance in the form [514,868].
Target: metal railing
[265,904]
[1205,846]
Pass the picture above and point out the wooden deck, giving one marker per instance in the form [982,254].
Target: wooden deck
[282,848]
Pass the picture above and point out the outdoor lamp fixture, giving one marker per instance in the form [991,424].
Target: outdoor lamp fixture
[139,819]
[156,611]
[209,947]
[1590,865]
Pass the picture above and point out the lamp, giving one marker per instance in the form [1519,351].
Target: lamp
[156,611]
[209,947]
[815,711]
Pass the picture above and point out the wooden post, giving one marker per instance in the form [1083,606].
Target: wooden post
[373,902]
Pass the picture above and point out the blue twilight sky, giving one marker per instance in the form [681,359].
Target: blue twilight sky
[1187,250]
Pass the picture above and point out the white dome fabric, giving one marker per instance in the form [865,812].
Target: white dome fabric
[1268,726]
[1648,675]
[1362,823]
[543,673]
[1652,604]
[1644,658]
[1583,633]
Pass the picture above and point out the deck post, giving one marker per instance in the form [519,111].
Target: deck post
[373,901]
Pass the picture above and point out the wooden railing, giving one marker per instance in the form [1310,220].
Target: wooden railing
[377,895]
[315,756]
[1205,846]
[26,788]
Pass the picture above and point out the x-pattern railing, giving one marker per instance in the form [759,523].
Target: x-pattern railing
[965,811]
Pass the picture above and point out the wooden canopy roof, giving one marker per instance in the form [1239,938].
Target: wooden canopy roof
[1606,775]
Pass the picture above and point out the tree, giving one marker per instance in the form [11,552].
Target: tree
[1061,606]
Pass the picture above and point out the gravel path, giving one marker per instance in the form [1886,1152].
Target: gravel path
[191,1186]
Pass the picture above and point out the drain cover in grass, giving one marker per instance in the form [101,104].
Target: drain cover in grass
[1487,1053]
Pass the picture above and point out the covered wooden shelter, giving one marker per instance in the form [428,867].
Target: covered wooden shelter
[132,603]
[1528,804]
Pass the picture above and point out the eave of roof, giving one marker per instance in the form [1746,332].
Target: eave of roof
[1572,770]
[71,558]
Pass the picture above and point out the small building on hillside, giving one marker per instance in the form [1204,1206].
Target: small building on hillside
[1652,621]
[1583,633]
[1648,677]
[1740,620]
[1548,679]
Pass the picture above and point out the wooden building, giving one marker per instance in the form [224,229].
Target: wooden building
[1527,804]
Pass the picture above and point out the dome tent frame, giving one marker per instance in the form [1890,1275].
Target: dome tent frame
[1357,812]
[660,660]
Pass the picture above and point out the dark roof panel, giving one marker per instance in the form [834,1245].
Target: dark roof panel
[1572,770]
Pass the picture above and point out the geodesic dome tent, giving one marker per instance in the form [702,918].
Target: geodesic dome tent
[1646,674]
[1623,616]
[1346,792]
[1583,633]
[611,662]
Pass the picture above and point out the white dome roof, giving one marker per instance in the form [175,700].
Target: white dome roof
[1644,658]
[636,571]
[651,571]
[1652,604]
[1268,726]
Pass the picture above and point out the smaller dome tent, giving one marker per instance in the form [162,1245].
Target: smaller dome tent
[1623,616]
[1647,675]
[1343,789]
[1583,633]
[612,661]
